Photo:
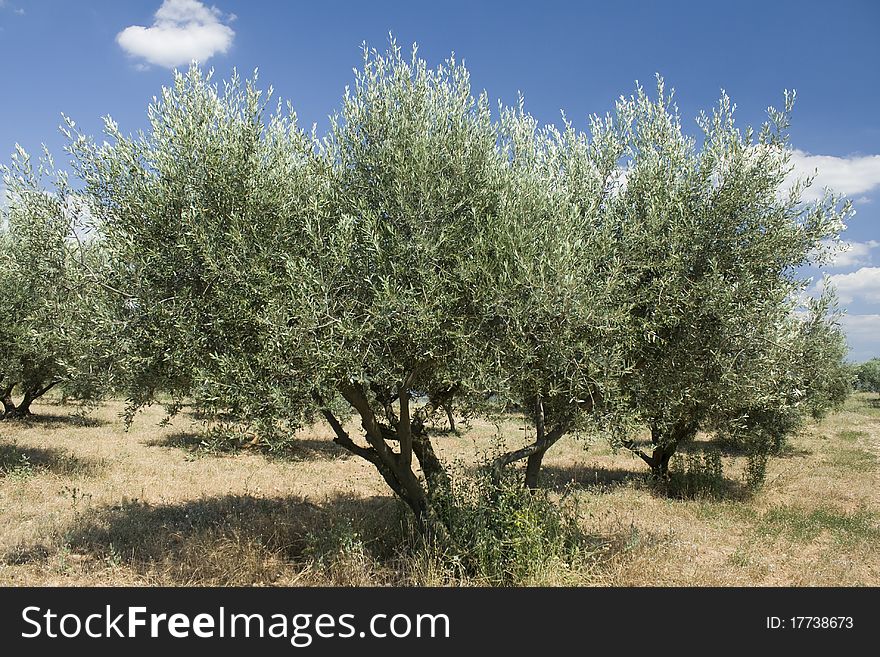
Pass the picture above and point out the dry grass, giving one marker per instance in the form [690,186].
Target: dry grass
[87,503]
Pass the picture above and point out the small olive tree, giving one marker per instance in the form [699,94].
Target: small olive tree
[46,336]
[805,379]
[555,297]
[713,245]
[868,376]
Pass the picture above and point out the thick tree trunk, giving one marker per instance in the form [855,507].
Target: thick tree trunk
[660,461]
[533,469]
[24,408]
[9,406]
[396,469]
[665,444]
[30,395]
[435,474]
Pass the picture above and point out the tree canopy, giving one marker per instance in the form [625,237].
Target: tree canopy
[714,245]
[428,248]
[46,335]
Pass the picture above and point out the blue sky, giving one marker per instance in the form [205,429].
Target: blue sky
[96,57]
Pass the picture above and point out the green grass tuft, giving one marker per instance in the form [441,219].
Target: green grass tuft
[804,526]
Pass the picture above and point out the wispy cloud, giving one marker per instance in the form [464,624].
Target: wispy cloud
[18,11]
[862,284]
[853,175]
[853,254]
[183,31]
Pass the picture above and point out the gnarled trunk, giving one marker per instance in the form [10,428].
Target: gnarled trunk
[9,406]
[533,468]
[24,408]
[665,441]
[395,467]
[31,394]
[544,440]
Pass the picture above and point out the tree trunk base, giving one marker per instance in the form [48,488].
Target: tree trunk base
[533,469]
[451,419]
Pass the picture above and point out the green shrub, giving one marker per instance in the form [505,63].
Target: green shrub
[697,475]
[502,534]
[756,469]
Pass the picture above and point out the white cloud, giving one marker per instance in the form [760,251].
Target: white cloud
[183,30]
[853,254]
[863,335]
[862,284]
[844,175]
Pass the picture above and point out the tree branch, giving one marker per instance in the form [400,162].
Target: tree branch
[42,391]
[540,445]
[631,446]
[341,437]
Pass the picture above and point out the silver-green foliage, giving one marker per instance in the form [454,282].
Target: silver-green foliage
[46,336]
[556,287]
[868,374]
[200,218]
[423,247]
[270,275]
[713,244]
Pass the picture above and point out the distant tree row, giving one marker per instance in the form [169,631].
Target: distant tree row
[868,376]
[622,278]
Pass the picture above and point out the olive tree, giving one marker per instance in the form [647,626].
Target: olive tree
[198,218]
[271,276]
[555,297]
[415,184]
[714,245]
[46,339]
[868,374]
[805,379]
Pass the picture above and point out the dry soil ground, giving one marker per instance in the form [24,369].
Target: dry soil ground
[84,502]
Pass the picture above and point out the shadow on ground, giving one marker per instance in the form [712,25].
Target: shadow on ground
[54,420]
[296,449]
[732,449]
[588,477]
[680,485]
[226,540]
[21,460]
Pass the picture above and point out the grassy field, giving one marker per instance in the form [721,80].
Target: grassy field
[83,502]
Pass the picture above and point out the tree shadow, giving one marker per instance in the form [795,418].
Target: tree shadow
[189,440]
[23,461]
[732,449]
[589,477]
[691,486]
[295,449]
[679,485]
[55,420]
[226,539]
